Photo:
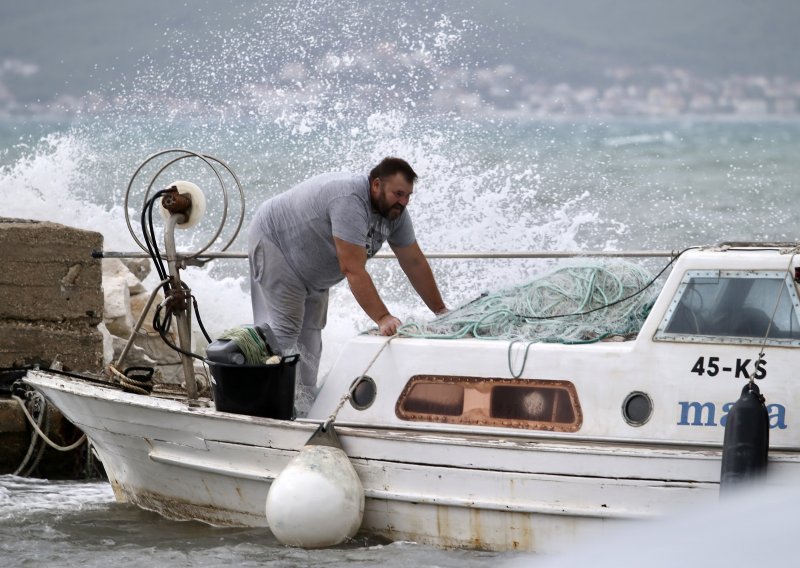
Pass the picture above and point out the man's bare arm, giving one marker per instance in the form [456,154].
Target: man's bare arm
[352,262]
[415,265]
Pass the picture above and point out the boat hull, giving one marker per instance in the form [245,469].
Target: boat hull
[433,487]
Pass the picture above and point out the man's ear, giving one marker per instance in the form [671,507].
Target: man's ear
[374,189]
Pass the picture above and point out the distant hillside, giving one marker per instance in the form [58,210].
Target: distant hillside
[84,45]
[576,38]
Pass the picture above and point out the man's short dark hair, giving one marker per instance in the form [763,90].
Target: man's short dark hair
[390,166]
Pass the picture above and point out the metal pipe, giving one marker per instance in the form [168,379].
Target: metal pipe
[438,255]
[139,323]
[183,311]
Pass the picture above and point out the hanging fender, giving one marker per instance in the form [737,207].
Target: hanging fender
[746,442]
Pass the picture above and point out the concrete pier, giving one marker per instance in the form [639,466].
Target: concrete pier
[51,295]
[59,305]
[51,303]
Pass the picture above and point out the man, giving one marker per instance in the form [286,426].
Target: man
[321,231]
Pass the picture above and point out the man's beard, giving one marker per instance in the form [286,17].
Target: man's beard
[387,211]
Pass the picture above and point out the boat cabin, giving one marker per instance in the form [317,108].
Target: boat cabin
[725,315]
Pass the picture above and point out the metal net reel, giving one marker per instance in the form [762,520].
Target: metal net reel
[166,159]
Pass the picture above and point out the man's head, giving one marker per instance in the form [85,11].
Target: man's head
[391,184]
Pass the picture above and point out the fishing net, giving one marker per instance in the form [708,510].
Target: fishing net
[576,304]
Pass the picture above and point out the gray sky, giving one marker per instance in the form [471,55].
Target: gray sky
[83,45]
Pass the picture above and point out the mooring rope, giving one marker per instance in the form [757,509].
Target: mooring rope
[761,351]
[130,384]
[346,396]
[42,447]
[31,447]
[38,430]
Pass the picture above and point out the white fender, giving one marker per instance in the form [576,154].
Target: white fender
[198,208]
[317,500]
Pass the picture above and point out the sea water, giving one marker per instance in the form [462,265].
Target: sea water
[488,182]
[78,524]
[489,185]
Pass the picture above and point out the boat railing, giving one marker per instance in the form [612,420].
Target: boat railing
[467,255]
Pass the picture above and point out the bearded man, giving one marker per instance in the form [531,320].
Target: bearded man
[320,232]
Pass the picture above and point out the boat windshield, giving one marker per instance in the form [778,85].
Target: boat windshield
[733,307]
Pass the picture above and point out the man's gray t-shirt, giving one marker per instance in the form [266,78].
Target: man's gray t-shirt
[302,222]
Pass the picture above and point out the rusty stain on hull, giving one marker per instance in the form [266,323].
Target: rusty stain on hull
[475,529]
[459,528]
[180,510]
[119,493]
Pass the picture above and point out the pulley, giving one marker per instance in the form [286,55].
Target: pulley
[185,198]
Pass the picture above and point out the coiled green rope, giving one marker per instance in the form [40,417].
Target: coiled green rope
[249,343]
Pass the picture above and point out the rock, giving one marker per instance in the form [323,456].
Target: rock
[149,339]
[115,268]
[108,344]
[171,374]
[139,267]
[136,356]
[117,306]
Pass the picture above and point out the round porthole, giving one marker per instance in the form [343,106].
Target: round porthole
[637,408]
[364,392]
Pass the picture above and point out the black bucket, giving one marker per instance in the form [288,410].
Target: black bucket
[255,390]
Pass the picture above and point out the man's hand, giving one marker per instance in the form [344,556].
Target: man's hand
[388,324]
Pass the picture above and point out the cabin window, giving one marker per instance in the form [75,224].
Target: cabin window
[438,398]
[512,403]
[733,307]
[637,408]
[363,392]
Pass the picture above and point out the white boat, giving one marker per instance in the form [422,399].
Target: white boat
[453,450]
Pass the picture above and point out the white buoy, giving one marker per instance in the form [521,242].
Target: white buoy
[198,208]
[317,500]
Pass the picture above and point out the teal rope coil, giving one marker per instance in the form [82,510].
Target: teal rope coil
[552,308]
